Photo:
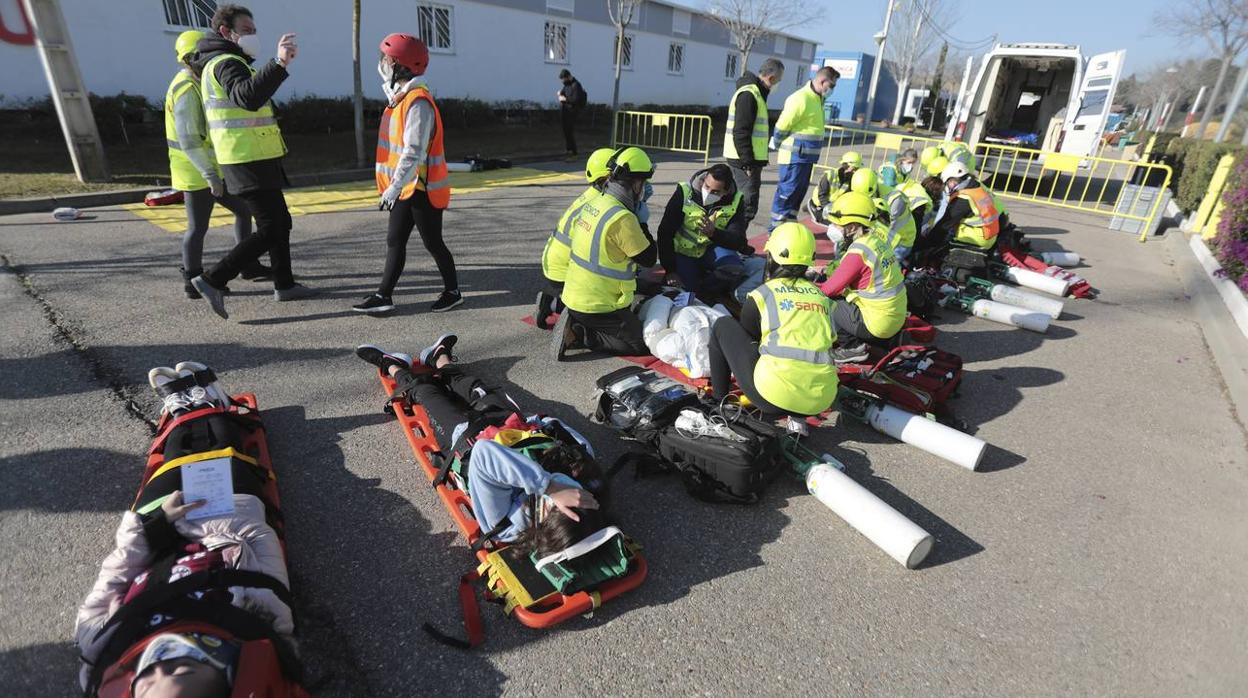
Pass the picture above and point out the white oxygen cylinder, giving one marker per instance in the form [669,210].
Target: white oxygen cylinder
[1030,279]
[1013,295]
[1033,320]
[893,533]
[931,436]
[1061,259]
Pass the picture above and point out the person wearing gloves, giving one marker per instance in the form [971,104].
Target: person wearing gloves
[799,139]
[892,209]
[557,254]
[249,147]
[870,278]
[411,172]
[973,216]
[702,233]
[609,242]
[193,168]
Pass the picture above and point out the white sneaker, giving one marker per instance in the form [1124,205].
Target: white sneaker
[214,390]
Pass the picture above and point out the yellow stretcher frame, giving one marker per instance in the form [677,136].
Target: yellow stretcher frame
[680,133]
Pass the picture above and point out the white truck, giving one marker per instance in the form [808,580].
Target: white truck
[1043,96]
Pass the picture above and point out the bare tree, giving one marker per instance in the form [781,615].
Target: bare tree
[1224,25]
[621,13]
[751,21]
[358,97]
[910,40]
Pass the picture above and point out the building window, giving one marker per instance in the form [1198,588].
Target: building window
[568,6]
[730,66]
[189,13]
[675,59]
[782,45]
[802,74]
[556,42]
[433,23]
[681,20]
[808,51]
[625,55]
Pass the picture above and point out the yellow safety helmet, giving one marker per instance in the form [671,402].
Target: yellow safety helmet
[950,147]
[936,166]
[853,157]
[186,42]
[930,153]
[865,182]
[853,207]
[791,244]
[596,167]
[630,162]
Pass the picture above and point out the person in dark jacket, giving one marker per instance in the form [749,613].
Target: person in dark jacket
[249,147]
[702,234]
[572,99]
[744,150]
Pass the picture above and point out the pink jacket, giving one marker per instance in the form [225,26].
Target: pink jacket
[246,541]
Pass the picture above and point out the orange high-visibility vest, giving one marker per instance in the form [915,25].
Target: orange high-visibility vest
[981,227]
[432,176]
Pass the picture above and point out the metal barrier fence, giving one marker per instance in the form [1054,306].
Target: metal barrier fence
[1132,193]
[682,133]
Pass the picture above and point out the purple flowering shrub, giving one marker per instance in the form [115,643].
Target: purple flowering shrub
[1230,246]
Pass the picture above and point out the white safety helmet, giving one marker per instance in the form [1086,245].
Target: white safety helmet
[954,170]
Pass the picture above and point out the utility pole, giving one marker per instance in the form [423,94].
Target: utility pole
[904,88]
[73,107]
[880,40]
[1233,106]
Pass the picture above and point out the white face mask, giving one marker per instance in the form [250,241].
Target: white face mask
[905,167]
[709,198]
[250,44]
[386,70]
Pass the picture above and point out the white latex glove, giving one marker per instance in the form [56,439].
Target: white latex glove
[388,197]
[217,187]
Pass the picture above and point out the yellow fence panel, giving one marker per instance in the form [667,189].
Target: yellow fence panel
[1125,190]
[681,133]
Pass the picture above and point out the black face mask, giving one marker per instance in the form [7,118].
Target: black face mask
[568,81]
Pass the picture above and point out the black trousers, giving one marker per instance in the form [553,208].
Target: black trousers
[847,318]
[748,179]
[272,235]
[617,333]
[452,396]
[734,353]
[416,212]
[567,117]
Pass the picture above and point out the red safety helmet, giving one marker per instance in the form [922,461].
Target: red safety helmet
[407,51]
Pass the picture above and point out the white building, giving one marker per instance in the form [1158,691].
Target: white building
[493,50]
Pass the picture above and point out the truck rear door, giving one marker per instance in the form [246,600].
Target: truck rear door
[1096,96]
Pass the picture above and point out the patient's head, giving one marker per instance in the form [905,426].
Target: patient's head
[181,678]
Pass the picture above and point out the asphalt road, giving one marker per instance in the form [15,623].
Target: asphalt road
[1101,550]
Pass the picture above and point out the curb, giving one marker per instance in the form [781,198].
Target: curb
[135,196]
[1234,299]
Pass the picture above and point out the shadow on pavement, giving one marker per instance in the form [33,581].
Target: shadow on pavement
[70,479]
[50,669]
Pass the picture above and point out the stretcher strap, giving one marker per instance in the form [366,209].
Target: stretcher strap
[202,379]
[472,617]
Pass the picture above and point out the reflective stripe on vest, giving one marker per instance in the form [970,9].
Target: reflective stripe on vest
[980,228]
[803,115]
[594,263]
[558,250]
[238,135]
[183,173]
[771,331]
[880,288]
[689,240]
[758,136]
[432,175]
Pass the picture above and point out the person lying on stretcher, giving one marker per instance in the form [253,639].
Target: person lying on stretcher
[533,481]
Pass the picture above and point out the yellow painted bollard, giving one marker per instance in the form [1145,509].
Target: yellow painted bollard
[1210,209]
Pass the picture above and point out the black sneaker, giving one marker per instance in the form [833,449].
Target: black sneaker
[541,311]
[851,354]
[257,272]
[442,347]
[563,336]
[374,305]
[214,295]
[381,358]
[446,301]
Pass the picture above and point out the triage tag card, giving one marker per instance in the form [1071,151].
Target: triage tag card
[212,481]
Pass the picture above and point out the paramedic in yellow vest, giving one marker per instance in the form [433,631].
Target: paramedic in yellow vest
[972,217]
[892,212]
[780,351]
[556,255]
[870,278]
[411,172]
[193,168]
[799,139]
[703,232]
[249,147]
[748,130]
[609,243]
[901,168]
[957,151]
[832,184]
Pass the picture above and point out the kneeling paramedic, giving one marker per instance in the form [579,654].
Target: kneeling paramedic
[832,184]
[533,481]
[556,254]
[870,277]
[972,217]
[781,350]
[703,231]
[609,243]
[892,210]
